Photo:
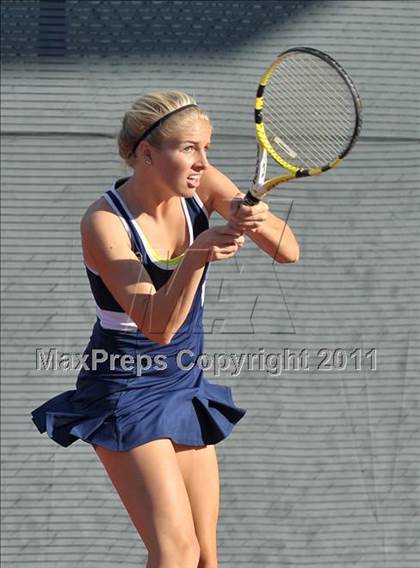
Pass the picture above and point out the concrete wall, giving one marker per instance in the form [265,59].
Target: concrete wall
[323,471]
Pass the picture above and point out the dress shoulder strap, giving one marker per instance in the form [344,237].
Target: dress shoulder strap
[117,205]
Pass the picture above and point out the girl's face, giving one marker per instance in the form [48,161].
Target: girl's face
[179,163]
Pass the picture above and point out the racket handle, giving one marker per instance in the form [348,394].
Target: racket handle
[249,199]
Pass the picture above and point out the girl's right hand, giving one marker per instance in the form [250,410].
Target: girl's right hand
[218,243]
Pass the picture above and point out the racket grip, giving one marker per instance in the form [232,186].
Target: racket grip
[249,199]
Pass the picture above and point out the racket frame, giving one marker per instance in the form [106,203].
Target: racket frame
[259,186]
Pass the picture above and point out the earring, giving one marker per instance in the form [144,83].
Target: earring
[147,161]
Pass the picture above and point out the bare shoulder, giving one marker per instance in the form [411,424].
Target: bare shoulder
[216,190]
[100,226]
[94,208]
[100,215]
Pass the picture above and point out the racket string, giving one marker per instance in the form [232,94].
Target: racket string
[317,101]
[299,136]
[323,87]
[294,123]
[320,141]
[309,107]
[283,122]
[317,156]
[329,72]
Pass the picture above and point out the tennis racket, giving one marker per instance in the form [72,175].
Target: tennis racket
[307,117]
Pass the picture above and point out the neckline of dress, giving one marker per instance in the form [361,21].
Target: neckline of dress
[154,257]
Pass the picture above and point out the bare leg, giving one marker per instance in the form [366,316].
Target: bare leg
[151,487]
[200,471]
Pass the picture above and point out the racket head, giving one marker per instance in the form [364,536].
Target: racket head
[307,111]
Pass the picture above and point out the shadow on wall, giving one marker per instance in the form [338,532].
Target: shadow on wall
[131,27]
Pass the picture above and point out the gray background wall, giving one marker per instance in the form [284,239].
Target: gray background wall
[323,471]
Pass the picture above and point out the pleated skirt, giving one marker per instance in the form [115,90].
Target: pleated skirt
[118,406]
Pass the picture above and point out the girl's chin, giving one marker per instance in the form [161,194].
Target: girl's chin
[188,189]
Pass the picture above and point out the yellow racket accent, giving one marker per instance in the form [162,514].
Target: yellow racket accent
[268,185]
[335,162]
[259,103]
[268,72]
[265,143]
[260,192]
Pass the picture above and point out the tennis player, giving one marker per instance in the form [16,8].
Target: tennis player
[151,416]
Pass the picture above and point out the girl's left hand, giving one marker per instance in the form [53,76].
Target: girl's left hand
[247,218]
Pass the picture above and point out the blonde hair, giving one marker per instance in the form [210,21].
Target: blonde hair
[147,110]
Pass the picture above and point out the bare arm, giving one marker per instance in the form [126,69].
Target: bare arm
[158,313]
[273,235]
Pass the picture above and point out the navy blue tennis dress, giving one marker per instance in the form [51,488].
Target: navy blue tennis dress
[155,391]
